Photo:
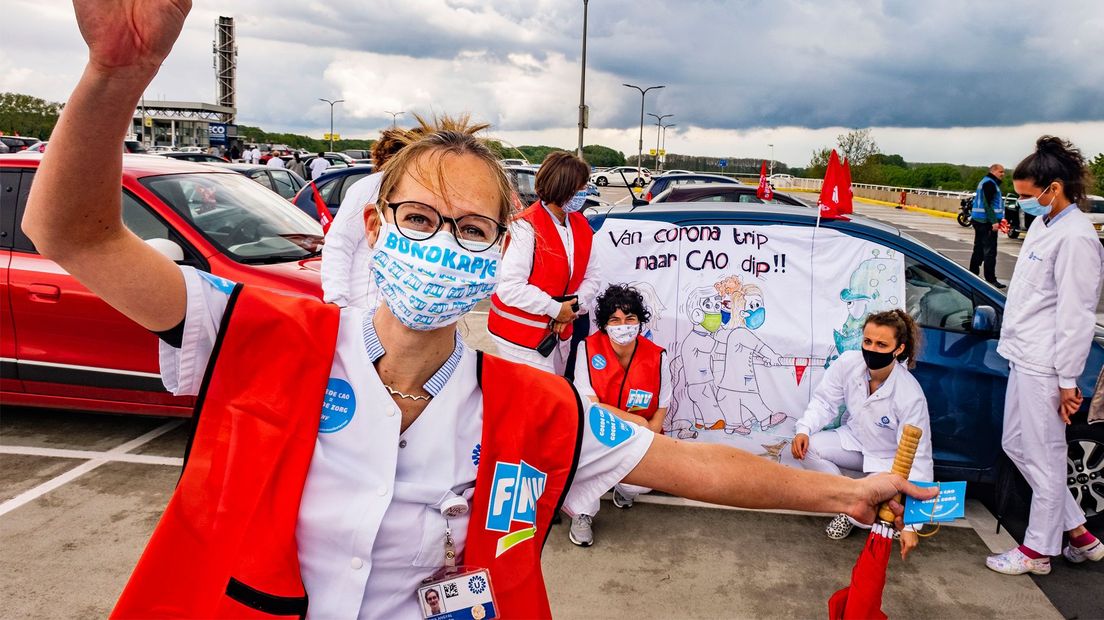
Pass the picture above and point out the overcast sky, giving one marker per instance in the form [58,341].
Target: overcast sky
[939,80]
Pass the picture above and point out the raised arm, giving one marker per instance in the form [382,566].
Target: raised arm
[74,212]
[723,475]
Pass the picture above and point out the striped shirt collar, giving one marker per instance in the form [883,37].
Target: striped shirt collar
[1050,220]
[437,382]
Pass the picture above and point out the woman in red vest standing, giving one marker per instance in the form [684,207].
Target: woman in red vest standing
[628,374]
[344,454]
[546,276]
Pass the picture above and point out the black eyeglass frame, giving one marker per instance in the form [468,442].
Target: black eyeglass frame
[500,228]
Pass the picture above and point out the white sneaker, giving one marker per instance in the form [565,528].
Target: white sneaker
[1094,552]
[620,500]
[580,532]
[1014,562]
[839,527]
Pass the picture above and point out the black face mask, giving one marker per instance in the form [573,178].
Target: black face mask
[877,361]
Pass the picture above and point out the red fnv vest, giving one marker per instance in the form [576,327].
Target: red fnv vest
[550,274]
[225,545]
[613,385]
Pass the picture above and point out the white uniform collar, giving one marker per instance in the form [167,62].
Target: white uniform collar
[437,382]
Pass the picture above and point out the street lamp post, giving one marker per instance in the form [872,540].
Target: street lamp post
[640,143]
[582,85]
[659,126]
[663,142]
[772,159]
[393,116]
[332,104]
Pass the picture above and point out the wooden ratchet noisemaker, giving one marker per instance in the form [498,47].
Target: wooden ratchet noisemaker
[902,465]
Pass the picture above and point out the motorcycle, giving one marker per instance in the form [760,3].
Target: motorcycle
[966,205]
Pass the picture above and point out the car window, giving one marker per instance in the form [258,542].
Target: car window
[140,221]
[714,198]
[285,186]
[349,181]
[1096,205]
[745,197]
[262,177]
[244,221]
[327,190]
[935,301]
[526,183]
[9,194]
[22,242]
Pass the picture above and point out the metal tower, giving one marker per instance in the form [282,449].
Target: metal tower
[226,65]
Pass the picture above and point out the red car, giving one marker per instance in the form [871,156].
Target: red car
[62,347]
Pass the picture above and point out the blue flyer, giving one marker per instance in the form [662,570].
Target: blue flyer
[949,505]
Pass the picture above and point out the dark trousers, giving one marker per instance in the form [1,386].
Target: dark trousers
[985,250]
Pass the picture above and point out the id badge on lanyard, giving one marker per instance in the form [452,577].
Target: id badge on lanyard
[457,592]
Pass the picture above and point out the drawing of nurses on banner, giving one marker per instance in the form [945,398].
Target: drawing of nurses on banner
[873,287]
[739,351]
[695,362]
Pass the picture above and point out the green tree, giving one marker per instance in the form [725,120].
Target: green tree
[27,115]
[1096,168]
[602,156]
[857,146]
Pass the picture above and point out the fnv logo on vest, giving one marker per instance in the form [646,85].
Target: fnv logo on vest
[638,399]
[514,494]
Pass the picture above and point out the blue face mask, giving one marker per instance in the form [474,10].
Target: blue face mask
[754,319]
[577,202]
[1031,206]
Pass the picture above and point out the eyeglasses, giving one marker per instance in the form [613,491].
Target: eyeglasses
[417,221]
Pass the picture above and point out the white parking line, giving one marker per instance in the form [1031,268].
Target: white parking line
[117,453]
[143,459]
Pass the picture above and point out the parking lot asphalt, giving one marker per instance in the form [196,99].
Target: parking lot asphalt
[81,493]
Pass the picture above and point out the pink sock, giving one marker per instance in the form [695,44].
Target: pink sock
[1084,540]
[1031,553]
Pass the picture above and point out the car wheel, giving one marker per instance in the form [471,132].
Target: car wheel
[638,182]
[963,220]
[1085,466]
[601,181]
[1013,233]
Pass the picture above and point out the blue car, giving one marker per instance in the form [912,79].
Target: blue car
[332,185]
[958,367]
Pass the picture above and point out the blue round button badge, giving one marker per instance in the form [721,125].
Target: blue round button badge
[598,361]
[338,407]
[607,428]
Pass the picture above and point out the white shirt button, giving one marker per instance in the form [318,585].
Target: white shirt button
[356,563]
[381,491]
[402,443]
[392,412]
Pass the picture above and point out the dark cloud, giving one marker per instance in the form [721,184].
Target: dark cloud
[727,65]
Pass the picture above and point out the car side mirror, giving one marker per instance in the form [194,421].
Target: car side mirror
[168,248]
[985,320]
[639,202]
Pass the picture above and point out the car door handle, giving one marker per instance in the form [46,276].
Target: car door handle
[44,292]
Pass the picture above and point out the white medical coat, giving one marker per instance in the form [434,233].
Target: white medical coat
[875,420]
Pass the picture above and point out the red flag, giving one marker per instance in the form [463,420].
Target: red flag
[765,192]
[846,204]
[324,215]
[829,202]
[863,598]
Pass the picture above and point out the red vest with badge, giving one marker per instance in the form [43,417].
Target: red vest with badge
[635,390]
[551,273]
[225,545]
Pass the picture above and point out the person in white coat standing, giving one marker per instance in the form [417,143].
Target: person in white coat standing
[881,397]
[347,255]
[1046,336]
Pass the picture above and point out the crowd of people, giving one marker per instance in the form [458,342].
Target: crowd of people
[419,454]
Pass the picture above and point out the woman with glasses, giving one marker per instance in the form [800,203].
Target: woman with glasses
[547,276]
[627,374]
[346,455]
